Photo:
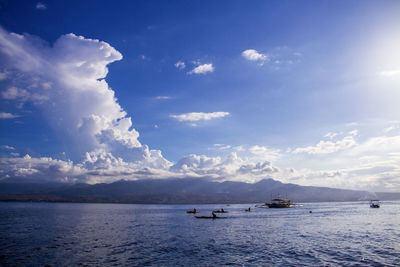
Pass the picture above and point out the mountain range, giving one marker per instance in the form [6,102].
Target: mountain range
[187,190]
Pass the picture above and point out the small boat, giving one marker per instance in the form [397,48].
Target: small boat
[248,210]
[209,217]
[220,211]
[277,203]
[192,211]
[374,203]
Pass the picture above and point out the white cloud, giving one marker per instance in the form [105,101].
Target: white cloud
[390,73]
[43,169]
[13,93]
[259,168]
[220,147]
[232,168]
[66,82]
[198,116]
[97,167]
[7,147]
[327,147]
[180,65]
[265,153]
[163,97]
[6,115]
[354,132]
[41,6]
[254,55]
[331,135]
[391,128]
[21,95]
[202,69]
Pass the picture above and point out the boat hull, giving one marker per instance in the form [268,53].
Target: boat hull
[279,206]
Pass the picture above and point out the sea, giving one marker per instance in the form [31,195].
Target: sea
[315,234]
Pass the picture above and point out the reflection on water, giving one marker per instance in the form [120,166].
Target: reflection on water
[61,234]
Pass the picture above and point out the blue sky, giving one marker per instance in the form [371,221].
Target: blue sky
[300,91]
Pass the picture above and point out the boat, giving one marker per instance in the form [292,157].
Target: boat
[277,203]
[374,203]
[192,211]
[220,211]
[209,217]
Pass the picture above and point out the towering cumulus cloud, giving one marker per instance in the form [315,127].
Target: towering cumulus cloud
[66,83]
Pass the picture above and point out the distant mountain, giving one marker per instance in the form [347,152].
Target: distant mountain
[188,190]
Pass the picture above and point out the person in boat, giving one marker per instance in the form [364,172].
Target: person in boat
[194,210]
[214,215]
[249,209]
[222,210]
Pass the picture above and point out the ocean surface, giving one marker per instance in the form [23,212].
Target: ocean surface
[64,234]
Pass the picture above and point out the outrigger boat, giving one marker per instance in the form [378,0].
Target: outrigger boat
[214,216]
[192,211]
[374,203]
[220,211]
[277,203]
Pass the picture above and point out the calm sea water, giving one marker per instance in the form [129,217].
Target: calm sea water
[61,234]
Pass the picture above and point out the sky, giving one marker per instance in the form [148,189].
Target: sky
[303,92]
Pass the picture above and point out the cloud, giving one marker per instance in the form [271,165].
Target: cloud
[331,135]
[232,168]
[41,6]
[265,153]
[259,168]
[390,73]
[66,83]
[220,147]
[163,97]
[198,116]
[22,95]
[7,147]
[3,76]
[39,169]
[253,55]
[180,65]
[327,147]
[202,69]
[6,115]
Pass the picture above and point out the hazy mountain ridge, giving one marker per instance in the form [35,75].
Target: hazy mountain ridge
[188,190]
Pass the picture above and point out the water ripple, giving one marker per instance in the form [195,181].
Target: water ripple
[335,234]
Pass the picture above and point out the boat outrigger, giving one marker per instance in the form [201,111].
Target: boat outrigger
[374,203]
[209,217]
